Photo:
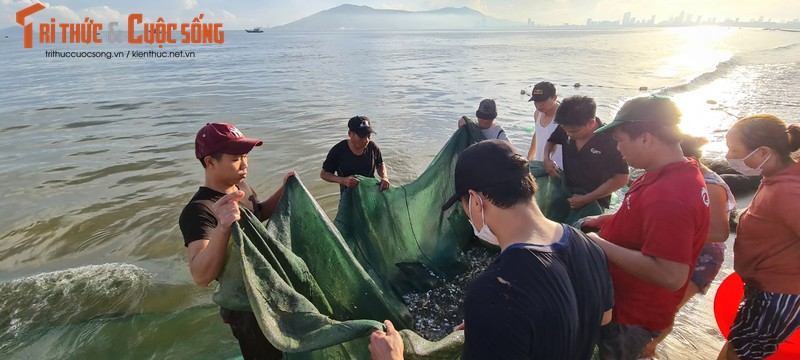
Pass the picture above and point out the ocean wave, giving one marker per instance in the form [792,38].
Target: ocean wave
[788,47]
[742,59]
[722,69]
[62,297]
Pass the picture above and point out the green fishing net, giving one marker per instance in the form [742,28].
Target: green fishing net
[318,288]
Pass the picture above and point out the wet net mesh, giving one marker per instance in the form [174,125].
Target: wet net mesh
[319,287]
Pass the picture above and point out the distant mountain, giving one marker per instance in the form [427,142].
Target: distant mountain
[353,17]
[15,31]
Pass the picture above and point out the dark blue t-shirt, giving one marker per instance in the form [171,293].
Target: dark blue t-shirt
[539,301]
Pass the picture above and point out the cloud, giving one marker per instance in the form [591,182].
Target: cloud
[479,5]
[227,16]
[189,4]
[102,14]
[61,13]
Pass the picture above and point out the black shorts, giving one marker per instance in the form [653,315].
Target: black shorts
[252,342]
[624,342]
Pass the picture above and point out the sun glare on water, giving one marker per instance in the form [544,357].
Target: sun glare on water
[694,52]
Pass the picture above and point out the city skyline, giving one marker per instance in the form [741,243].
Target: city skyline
[684,19]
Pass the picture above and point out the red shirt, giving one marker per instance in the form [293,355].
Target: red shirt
[664,214]
[767,249]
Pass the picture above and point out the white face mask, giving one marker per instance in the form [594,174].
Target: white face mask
[742,168]
[484,234]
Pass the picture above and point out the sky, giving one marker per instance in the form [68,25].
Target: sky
[237,14]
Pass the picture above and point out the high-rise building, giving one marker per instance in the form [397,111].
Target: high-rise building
[626,18]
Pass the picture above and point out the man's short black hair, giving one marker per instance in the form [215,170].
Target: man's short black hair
[576,110]
[505,196]
[215,155]
[494,168]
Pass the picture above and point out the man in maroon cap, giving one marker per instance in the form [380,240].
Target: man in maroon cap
[206,224]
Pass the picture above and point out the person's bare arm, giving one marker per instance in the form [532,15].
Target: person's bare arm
[606,317]
[670,275]
[207,256]
[607,188]
[719,230]
[267,207]
[346,181]
[532,150]
[596,221]
[383,174]
[549,164]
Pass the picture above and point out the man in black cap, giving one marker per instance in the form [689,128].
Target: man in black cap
[206,222]
[357,155]
[546,102]
[486,113]
[547,293]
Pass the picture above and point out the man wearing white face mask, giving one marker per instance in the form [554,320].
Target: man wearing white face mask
[549,290]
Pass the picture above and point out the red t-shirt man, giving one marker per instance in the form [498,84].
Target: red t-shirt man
[664,215]
[655,238]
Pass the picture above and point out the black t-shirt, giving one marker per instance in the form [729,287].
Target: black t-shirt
[197,220]
[539,302]
[594,164]
[342,162]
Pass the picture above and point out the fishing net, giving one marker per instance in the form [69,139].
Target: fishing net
[318,288]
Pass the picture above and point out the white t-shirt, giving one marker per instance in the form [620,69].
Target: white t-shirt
[543,133]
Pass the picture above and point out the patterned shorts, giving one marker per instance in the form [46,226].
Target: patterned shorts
[708,265]
[764,320]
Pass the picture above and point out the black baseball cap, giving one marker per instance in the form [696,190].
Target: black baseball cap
[543,91]
[487,163]
[360,125]
[652,108]
[487,110]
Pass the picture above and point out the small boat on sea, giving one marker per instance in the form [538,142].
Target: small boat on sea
[254,30]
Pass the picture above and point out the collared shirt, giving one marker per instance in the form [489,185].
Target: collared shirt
[665,214]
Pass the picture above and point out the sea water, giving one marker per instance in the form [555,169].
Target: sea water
[98,157]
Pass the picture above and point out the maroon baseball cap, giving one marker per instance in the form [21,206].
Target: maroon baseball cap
[222,137]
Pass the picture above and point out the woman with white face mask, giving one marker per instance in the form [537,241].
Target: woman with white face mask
[766,253]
